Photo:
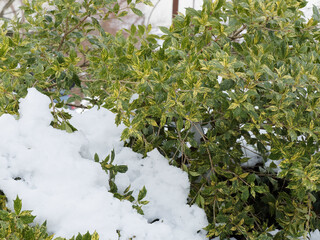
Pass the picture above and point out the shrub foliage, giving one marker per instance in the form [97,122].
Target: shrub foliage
[16,225]
[233,77]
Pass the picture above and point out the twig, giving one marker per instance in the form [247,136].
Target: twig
[152,12]
[70,31]
[205,140]
[235,34]
[195,196]
[251,150]
[5,7]
[184,156]
[53,106]
[76,106]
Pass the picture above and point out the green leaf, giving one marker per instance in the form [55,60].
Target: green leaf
[113,187]
[226,84]
[194,174]
[251,178]
[200,201]
[193,12]
[26,217]
[272,108]
[17,205]
[185,168]
[237,47]
[260,189]
[165,30]
[96,157]
[87,236]
[234,106]
[112,155]
[163,120]
[142,193]
[73,54]
[4,215]
[137,12]
[244,175]
[141,30]
[127,189]
[95,236]
[275,156]
[144,202]
[116,8]
[79,237]
[245,194]
[218,4]
[292,134]
[179,124]
[316,14]
[76,79]
[139,210]
[133,29]
[122,14]
[121,168]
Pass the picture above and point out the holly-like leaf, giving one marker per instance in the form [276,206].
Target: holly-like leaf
[142,193]
[17,205]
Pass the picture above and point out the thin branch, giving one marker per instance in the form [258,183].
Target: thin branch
[152,12]
[236,33]
[70,31]
[76,106]
[177,150]
[195,196]
[13,10]
[205,140]
[5,7]
[53,105]
[251,150]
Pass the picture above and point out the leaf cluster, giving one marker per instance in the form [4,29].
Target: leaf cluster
[234,77]
[19,225]
[112,170]
[47,48]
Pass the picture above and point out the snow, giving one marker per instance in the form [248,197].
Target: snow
[54,174]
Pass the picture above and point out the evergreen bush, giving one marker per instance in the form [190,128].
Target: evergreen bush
[233,77]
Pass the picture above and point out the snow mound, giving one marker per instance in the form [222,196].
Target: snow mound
[54,174]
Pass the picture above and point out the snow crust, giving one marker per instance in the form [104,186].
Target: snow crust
[54,174]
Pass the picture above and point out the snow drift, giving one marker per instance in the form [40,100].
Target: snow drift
[54,174]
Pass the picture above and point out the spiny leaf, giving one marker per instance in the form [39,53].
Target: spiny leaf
[17,204]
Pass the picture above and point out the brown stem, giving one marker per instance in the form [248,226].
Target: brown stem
[205,140]
[70,31]
[195,196]
[236,33]
[6,6]
[155,6]
[182,147]
[76,106]
[53,106]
